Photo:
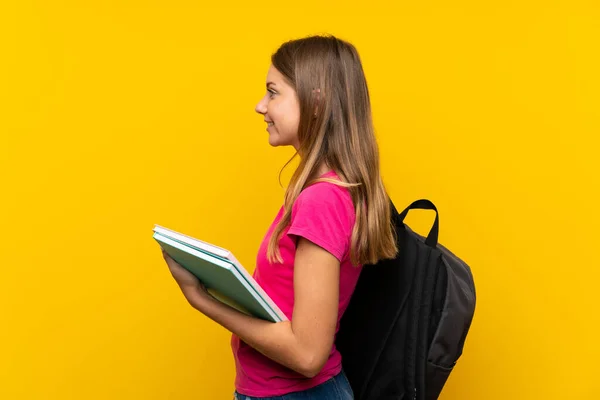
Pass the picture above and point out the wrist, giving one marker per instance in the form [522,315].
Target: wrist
[196,297]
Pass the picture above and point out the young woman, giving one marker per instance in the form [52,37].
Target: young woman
[335,218]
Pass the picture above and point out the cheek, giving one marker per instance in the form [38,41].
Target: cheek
[291,115]
[274,112]
[286,115]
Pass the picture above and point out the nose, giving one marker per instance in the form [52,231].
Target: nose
[261,107]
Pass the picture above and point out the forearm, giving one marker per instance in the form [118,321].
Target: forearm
[275,340]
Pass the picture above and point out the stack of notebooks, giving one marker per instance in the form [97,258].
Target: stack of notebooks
[221,273]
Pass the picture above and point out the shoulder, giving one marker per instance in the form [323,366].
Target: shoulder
[326,195]
[324,214]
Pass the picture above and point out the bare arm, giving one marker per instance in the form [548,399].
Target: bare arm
[304,343]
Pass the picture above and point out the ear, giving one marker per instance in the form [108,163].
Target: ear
[317,93]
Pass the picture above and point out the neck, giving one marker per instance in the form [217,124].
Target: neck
[323,168]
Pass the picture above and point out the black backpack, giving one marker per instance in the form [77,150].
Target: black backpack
[408,318]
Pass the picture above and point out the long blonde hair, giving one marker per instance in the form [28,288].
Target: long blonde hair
[327,75]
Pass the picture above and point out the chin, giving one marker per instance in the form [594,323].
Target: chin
[275,141]
[278,140]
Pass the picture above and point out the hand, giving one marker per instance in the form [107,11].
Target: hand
[188,283]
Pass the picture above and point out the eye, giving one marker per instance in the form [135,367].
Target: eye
[271,93]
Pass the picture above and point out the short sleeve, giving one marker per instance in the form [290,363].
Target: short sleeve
[323,213]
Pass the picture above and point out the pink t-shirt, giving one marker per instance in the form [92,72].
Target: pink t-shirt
[324,214]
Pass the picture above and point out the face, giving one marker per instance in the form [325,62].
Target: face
[281,110]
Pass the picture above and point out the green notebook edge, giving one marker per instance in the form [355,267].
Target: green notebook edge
[267,312]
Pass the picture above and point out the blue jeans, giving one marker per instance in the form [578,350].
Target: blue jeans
[336,388]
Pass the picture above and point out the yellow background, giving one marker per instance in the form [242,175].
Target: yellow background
[118,115]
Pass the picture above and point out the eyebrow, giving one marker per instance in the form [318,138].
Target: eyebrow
[271,83]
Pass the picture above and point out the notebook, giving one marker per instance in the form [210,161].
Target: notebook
[222,274]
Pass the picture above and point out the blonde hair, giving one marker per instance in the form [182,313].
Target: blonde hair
[327,75]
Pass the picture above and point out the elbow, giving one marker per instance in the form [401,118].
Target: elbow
[309,373]
[311,366]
